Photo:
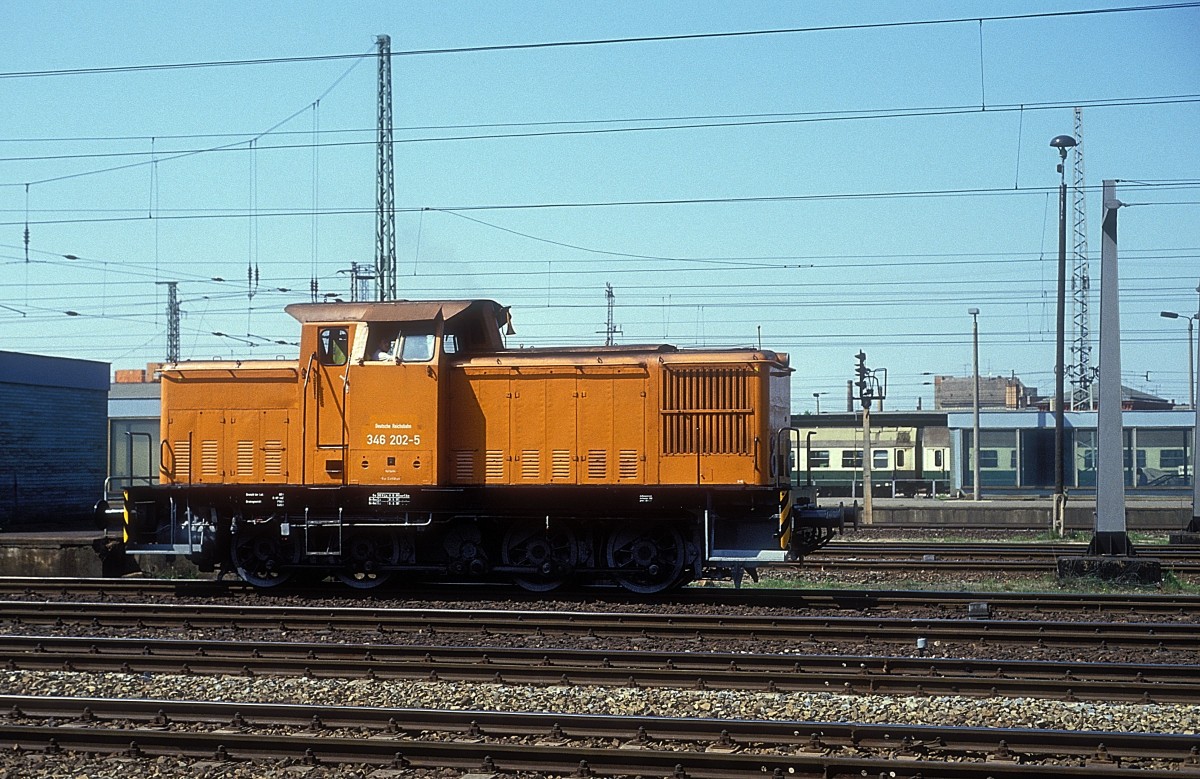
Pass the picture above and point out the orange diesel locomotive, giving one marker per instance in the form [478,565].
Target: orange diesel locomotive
[408,440]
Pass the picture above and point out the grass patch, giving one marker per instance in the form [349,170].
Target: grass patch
[1171,584]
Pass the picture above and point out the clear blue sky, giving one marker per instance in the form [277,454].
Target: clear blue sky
[783,244]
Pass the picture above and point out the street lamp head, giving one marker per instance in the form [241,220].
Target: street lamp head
[1063,142]
[973,311]
[1169,315]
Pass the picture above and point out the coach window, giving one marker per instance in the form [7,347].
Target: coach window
[989,458]
[879,458]
[819,458]
[332,345]
[937,458]
[899,458]
[852,458]
[1172,459]
[1141,459]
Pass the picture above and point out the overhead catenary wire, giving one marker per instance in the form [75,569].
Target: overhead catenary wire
[751,120]
[315,211]
[679,201]
[732,34]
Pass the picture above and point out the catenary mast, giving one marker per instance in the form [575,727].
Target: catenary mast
[1081,371]
[385,199]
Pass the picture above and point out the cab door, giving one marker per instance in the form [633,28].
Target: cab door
[326,390]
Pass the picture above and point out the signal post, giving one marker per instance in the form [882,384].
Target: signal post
[869,389]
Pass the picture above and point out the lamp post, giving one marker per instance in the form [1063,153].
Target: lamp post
[1062,143]
[1191,358]
[974,312]
[1194,525]
[817,397]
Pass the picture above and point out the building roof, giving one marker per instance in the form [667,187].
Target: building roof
[130,391]
[44,371]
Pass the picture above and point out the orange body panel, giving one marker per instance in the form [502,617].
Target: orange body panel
[631,419]
[535,420]
[642,415]
[229,423]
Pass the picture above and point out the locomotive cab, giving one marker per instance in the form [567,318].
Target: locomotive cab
[372,394]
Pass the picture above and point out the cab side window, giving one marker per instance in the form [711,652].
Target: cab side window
[333,345]
[382,344]
[418,347]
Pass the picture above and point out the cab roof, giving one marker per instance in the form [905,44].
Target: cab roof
[399,311]
[476,323]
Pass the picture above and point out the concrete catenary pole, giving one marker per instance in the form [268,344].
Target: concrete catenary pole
[1110,537]
[974,312]
[1194,525]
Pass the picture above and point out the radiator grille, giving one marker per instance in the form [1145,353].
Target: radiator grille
[273,458]
[245,458]
[706,411]
[464,465]
[531,464]
[183,461]
[494,465]
[560,464]
[627,464]
[597,464]
[209,458]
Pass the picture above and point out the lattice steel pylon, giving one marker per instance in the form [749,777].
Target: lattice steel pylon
[611,330]
[1080,371]
[385,197]
[172,320]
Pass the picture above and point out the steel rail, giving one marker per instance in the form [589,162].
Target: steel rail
[696,596]
[953,566]
[994,549]
[1153,635]
[1106,682]
[972,557]
[699,748]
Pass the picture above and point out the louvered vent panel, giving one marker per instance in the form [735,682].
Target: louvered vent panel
[245,458]
[597,465]
[706,410]
[273,458]
[183,462]
[627,467]
[494,465]
[210,458]
[531,464]
[560,464]
[464,465]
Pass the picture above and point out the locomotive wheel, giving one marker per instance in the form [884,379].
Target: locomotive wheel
[553,553]
[260,559]
[364,553]
[646,558]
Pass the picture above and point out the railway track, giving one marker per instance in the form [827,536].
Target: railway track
[950,603]
[576,745]
[849,674]
[799,631]
[593,649]
[975,557]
